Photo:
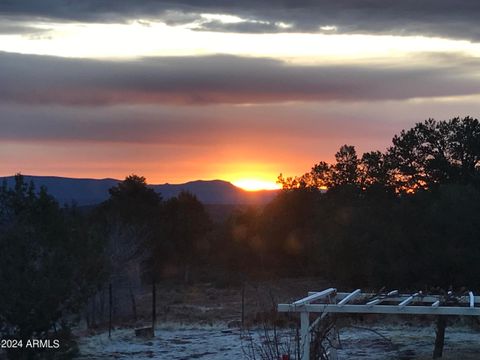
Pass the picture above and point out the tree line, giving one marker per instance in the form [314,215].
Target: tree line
[430,154]
[405,218]
[53,258]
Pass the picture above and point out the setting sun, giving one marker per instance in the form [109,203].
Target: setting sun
[255,185]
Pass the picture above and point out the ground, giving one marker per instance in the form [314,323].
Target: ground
[172,341]
[202,321]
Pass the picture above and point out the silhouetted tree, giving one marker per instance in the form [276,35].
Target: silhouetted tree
[287,227]
[407,217]
[433,153]
[346,168]
[131,219]
[186,224]
[345,172]
[133,202]
[464,143]
[50,262]
[374,170]
[242,248]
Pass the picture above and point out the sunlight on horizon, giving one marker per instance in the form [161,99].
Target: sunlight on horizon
[256,185]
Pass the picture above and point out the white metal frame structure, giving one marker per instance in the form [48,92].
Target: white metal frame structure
[356,302]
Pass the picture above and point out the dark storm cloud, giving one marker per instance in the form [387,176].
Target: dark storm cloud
[164,125]
[190,126]
[224,79]
[107,124]
[447,18]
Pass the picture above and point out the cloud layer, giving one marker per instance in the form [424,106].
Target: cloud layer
[223,80]
[445,18]
[176,144]
[178,118]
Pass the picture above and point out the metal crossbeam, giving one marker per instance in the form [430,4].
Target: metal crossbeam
[383,309]
[315,296]
[408,300]
[356,302]
[400,297]
[349,297]
[375,302]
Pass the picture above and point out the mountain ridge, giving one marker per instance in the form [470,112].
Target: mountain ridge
[89,191]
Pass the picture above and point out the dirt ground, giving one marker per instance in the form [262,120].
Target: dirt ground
[377,342]
[212,315]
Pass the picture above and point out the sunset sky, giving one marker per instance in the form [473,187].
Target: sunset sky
[233,90]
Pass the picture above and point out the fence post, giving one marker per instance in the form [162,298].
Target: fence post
[134,303]
[305,335]
[94,310]
[440,337]
[110,310]
[243,304]
[154,305]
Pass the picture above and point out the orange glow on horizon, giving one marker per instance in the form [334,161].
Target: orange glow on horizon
[256,185]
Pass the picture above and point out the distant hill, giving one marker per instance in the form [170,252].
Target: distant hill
[86,192]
